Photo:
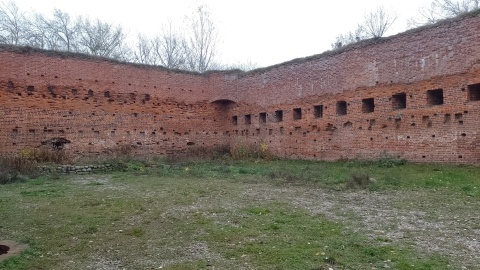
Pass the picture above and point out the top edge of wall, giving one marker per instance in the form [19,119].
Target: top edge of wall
[354,46]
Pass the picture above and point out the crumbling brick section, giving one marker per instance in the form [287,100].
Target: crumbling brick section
[415,95]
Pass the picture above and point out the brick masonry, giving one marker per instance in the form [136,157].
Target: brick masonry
[415,95]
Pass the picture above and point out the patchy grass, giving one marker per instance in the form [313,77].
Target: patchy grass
[247,215]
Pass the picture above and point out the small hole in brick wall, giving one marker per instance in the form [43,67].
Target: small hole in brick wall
[448,118]
[90,93]
[297,114]
[464,134]
[51,89]
[460,122]
[262,118]
[435,97]
[31,131]
[424,156]
[460,156]
[19,94]
[473,93]
[129,84]
[278,116]
[347,124]
[10,85]
[106,94]
[399,101]
[28,74]
[318,111]
[371,139]
[413,124]
[408,137]
[74,91]
[433,136]
[341,107]
[465,112]
[147,97]
[368,105]
[56,77]
[458,116]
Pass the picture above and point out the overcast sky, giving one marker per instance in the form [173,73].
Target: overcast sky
[263,31]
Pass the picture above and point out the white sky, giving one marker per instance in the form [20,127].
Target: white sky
[266,32]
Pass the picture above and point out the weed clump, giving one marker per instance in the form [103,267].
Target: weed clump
[359,181]
[17,168]
[387,161]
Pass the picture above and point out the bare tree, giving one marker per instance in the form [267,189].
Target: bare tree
[60,32]
[13,26]
[376,23]
[170,48]
[202,40]
[443,9]
[350,37]
[143,51]
[102,39]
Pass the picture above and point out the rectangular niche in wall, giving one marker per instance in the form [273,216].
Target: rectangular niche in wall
[278,116]
[474,92]
[297,114]
[248,119]
[435,97]
[318,111]
[262,118]
[399,101]
[341,107]
[234,120]
[368,105]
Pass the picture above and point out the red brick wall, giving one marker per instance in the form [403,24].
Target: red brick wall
[99,104]
[446,57]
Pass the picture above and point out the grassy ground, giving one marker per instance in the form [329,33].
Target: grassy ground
[247,215]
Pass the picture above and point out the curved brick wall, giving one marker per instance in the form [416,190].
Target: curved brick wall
[415,95]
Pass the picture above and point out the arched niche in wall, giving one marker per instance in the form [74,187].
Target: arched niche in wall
[223,104]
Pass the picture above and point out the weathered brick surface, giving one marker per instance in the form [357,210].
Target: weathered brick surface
[384,87]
